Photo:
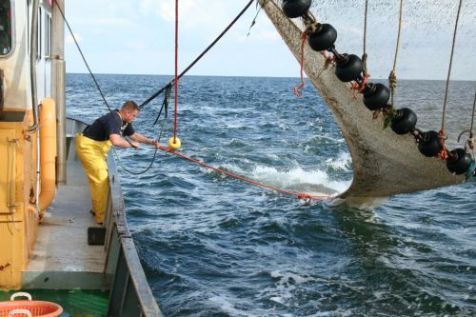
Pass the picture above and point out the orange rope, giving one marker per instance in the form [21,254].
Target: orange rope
[246,179]
[443,154]
[297,89]
[360,87]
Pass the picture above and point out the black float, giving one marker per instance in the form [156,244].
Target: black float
[349,67]
[403,121]
[458,161]
[295,8]
[429,143]
[376,96]
[323,38]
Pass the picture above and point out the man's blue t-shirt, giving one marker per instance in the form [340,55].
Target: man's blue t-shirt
[110,123]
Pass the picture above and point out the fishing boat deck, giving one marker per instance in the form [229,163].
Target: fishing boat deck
[62,258]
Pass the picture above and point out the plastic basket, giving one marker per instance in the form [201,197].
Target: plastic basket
[29,307]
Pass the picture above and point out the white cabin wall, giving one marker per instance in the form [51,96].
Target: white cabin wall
[15,65]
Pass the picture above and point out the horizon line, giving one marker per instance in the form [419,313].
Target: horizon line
[257,76]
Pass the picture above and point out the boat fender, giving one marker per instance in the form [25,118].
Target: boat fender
[404,121]
[458,161]
[376,96]
[174,144]
[429,143]
[323,38]
[48,153]
[295,8]
[349,67]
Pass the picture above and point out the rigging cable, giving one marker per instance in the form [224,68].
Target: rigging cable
[253,22]
[392,78]
[444,153]
[445,102]
[470,142]
[364,54]
[227,28]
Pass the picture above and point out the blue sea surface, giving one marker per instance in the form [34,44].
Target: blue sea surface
[216,246]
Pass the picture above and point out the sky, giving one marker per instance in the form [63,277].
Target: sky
[137,37]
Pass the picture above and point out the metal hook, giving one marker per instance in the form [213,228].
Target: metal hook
[463,132]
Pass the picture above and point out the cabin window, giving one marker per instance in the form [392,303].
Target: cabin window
[48,34]
[5,27]
[40,33]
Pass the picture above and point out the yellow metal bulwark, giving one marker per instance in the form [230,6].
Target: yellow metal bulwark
[18,220]
[47,153]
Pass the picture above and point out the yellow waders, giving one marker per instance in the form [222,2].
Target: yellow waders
[93,155]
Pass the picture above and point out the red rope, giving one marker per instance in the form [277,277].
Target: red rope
[246,179]
[297,89]
[443,154]
[176,80]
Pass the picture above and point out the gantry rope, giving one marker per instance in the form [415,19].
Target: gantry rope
[364,54]
[470,142]
[472,116]
[392,78]
[445,102]
[253,22]
[227,28]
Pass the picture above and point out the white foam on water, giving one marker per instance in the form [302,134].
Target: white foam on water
[342,163]
[298,179]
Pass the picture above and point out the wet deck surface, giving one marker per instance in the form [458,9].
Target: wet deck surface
[62,255]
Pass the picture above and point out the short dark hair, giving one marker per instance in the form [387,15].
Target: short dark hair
[130,105]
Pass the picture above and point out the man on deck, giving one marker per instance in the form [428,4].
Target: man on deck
[94,144]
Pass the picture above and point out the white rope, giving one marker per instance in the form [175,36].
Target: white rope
[445,103]
[392,78]
[472,114]
[364,54]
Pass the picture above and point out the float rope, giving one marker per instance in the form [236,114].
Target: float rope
[472,115]
[444,154]
[445,102]
[392,78]
[297,89]
[364,44]
[156,94]
[246,179]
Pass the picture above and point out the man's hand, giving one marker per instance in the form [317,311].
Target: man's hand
[134,144]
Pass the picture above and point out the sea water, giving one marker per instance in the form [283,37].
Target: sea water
[215,246]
